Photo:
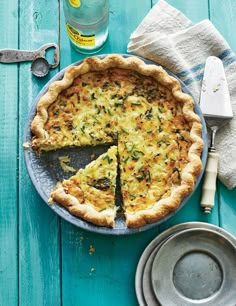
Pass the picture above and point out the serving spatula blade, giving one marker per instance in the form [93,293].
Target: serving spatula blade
[215,98]
[216,107]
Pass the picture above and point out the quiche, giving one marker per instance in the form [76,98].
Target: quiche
[138,108]
[90,193]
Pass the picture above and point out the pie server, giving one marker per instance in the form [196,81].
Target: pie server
[40,66]
[216,108]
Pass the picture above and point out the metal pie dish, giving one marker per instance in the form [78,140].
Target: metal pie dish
[45,170]
[218,286]
[195,266]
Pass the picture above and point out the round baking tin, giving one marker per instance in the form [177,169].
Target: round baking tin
[45,170]
[143,279]
[195,266]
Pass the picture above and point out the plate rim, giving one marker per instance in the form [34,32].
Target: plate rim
[62,212]
[205,301]
[161,237]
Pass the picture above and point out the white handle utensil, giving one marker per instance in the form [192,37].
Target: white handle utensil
[209,183]
[216,108]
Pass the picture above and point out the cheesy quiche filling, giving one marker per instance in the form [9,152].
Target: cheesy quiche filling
[95,108]
[140,109]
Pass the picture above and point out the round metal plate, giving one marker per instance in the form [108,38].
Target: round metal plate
[45,170]
[143,285]
[148,293]
[195,266]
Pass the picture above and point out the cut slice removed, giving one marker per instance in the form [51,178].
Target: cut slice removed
[90,193]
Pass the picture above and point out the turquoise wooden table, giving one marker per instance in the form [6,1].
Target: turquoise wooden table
[44,260]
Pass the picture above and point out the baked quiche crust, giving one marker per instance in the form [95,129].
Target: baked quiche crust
[149,117]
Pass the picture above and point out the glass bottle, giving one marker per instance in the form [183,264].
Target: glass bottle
[87,24]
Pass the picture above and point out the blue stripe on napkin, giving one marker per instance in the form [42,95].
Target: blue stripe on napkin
[197,78]
[191,70]
[195,74]
[225,53]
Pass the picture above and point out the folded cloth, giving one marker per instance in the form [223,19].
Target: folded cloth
[167,37]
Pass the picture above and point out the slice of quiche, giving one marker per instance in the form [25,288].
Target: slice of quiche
[90,193]
[155,158]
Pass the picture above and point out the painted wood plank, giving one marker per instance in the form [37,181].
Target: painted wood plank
[223,17]
[195,10]
[91,278]
[226,25]
[8,159]
[39,228]
[102,265]
[227,208]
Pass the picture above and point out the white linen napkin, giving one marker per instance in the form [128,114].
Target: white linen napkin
[167,37]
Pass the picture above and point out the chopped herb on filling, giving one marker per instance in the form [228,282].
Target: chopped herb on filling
[101,184]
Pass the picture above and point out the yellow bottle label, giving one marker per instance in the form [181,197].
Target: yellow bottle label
[78,38]
[75,3]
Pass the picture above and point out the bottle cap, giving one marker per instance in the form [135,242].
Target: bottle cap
[40,67]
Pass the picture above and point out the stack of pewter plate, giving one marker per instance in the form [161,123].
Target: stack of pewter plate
[191,263]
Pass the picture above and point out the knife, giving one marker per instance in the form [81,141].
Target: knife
[216,107]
